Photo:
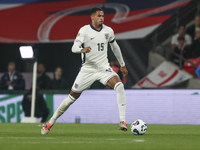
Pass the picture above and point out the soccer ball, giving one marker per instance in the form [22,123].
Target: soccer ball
[138,127]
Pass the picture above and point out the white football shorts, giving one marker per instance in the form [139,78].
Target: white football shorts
[85,78]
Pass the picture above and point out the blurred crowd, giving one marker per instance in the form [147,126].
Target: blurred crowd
[14,80]
[187,41]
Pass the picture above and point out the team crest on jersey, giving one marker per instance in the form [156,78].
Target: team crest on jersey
[107,36]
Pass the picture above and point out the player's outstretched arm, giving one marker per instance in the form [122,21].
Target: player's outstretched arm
[117,52]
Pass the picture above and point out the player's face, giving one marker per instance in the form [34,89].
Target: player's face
[98,18]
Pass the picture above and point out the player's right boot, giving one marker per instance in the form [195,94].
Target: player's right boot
[123,126]
[46,128]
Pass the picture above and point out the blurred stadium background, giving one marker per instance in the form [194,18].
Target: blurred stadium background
[157,90]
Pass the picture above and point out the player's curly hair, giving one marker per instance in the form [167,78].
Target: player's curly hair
[94,10]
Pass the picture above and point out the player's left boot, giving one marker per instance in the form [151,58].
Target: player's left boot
[123,126]
[46,128]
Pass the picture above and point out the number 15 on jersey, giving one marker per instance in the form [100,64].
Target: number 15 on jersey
[100,46]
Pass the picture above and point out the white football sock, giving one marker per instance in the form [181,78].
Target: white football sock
[121,100]
[62,108]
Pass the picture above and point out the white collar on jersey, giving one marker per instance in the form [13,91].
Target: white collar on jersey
[95,28]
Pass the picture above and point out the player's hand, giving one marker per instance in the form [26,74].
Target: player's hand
[124,71]
[86,50]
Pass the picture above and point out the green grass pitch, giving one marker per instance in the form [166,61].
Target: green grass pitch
[17,136]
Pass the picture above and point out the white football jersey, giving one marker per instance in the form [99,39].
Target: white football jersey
[98,41]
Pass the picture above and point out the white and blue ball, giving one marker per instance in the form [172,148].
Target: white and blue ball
[138,127]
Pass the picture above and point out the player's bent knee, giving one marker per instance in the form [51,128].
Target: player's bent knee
[75,95]
[119,87]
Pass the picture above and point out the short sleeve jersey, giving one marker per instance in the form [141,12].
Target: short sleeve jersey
[98,41]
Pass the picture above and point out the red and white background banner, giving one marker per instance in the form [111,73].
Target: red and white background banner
[26,21]
[166,74]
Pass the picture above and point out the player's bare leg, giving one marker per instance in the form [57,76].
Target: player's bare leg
[118,86]
[61,109]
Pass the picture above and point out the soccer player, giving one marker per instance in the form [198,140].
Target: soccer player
[92,41]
